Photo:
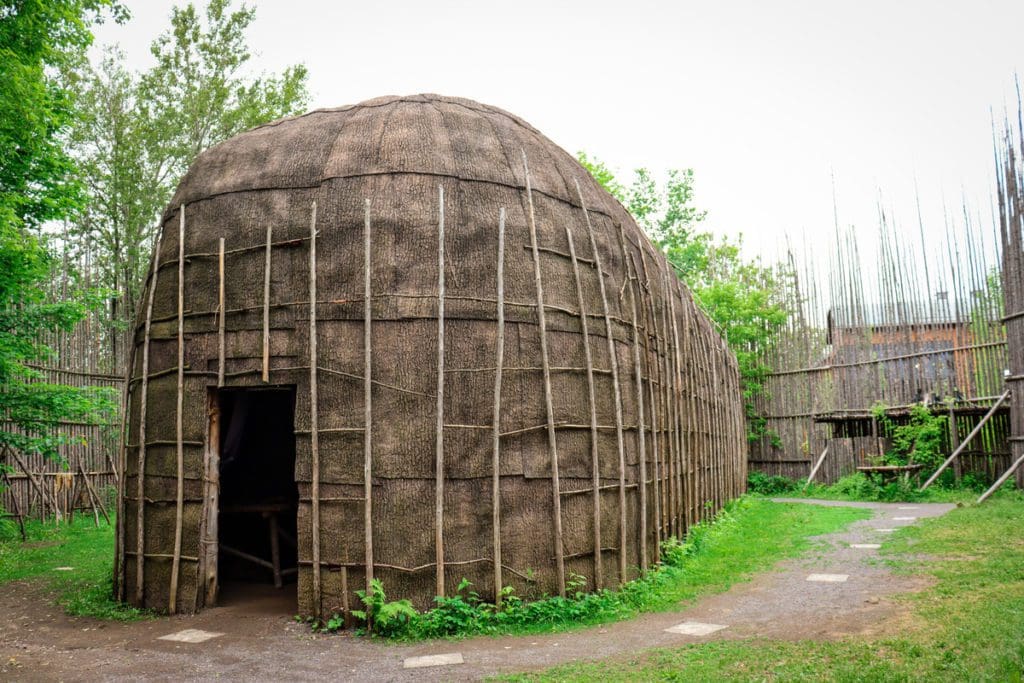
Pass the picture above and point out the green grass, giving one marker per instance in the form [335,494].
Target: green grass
[968,626]
[751,535]
[85,590]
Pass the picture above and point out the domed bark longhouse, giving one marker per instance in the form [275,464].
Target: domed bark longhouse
[501,378]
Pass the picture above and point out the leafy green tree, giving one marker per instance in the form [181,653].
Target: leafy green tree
[39,38]
[139,133]
[745,298]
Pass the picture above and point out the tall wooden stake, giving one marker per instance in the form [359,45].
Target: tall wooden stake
[179,510]
[641,439]
[222,313]
[595,462]
[617,398]
[367,398]
[439,443]
[314,419]
[499,365]
[556,496]
[266,307]
[140,481]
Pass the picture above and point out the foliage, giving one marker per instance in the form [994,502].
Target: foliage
[965,626]
[382,617]
[864,487]
[748,535]
[745,298]
[139,132]
[770,485]
[37,39]
[921,440]
[34,410]
[85,589]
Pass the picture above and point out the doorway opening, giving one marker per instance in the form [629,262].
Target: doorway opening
[257,554]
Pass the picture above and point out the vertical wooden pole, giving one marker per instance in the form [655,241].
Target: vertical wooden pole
[222,313]
[556,495]
[954,442]
[439,442]
[650,328]
[616,390]
[367,397]
[179,426]
[140,481]
[122,465]
[595,462]
[17,507]
[210,549]
[677,402]
[314,419]
[641,437]
[266,307]
[671,406]
[499,365]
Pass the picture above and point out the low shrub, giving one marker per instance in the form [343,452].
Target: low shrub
[770,485]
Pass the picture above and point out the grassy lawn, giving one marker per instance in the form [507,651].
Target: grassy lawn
[968,626]
[85,589]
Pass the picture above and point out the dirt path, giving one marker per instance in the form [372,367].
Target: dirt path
[259,642]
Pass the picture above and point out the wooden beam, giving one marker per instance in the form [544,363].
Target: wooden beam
[367,398]
[314,420]
[641,437]
[266,306]
[221,310]
[967,440]
[499,364]
[439,430]
[179,425]
[616,390]
[140,479]
[814,470]
[595,460]
[556,498]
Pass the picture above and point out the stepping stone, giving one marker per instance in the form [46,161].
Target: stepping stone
[828,578]
[885,531]
[695,628]
[63,569]
[904,519]
[191,635]
[866,546]
[446,659]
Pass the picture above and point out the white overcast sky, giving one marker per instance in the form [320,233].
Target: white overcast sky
[766,101]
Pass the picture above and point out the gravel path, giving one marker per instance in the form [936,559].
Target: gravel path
[37,642]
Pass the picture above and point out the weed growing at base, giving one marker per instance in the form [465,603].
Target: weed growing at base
[84,590]
[749,535]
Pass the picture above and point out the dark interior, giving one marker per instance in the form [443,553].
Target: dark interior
[258,494]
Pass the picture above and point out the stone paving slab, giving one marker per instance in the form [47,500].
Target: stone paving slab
[446,659]
[695,628]
[191,635]
[828,578]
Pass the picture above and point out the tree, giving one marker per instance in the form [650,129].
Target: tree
[744,298]
[38,41]
[39,38]
[140,132]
